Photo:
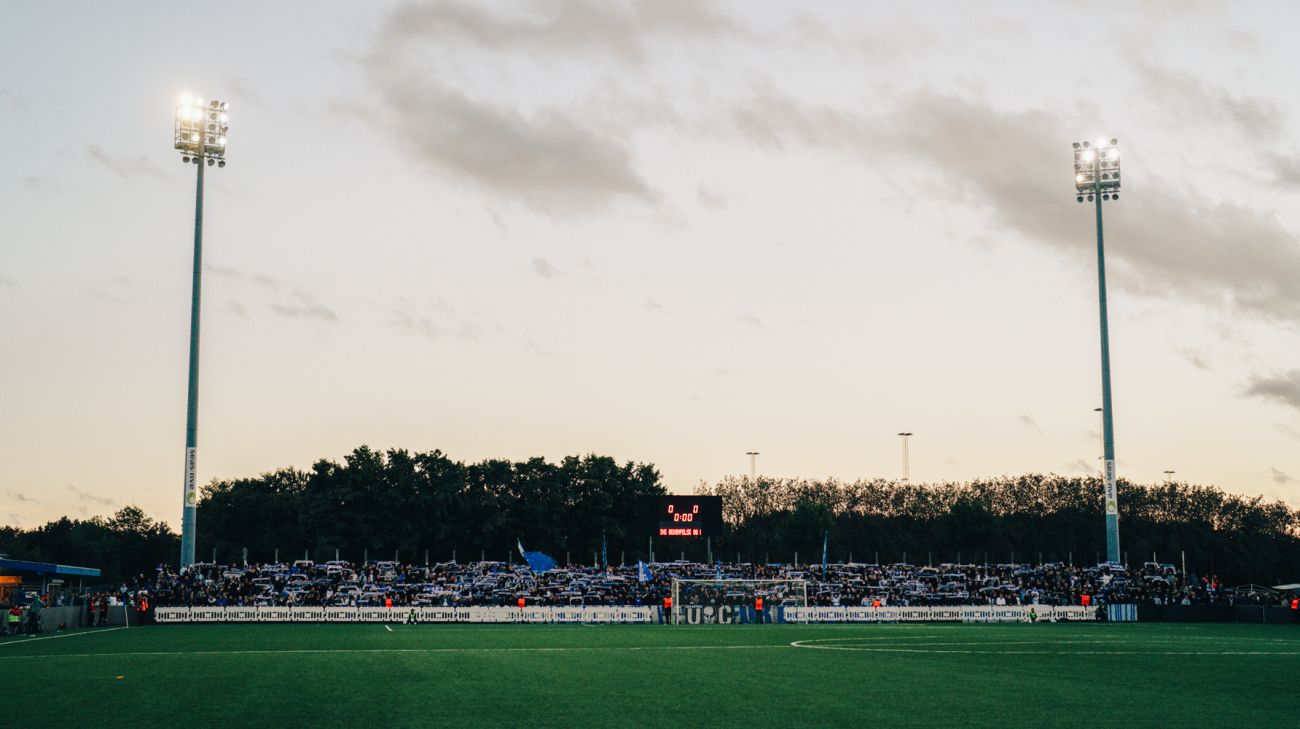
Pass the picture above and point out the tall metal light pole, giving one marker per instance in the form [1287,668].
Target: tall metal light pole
[201,128]
[907,464]
[1096,177]
[1169,476]
[753,465]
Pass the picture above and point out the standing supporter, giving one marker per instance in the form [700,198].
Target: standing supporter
[34,616]
[759,615]
[103,610]
[14,620]
[91,605]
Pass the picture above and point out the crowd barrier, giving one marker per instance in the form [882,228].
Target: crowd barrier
[690,614]
[944,613]
[537,614]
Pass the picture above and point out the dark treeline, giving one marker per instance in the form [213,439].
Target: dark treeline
[381,504]
[1244,539]
[125,544]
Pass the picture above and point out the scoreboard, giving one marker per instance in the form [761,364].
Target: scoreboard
[681,516]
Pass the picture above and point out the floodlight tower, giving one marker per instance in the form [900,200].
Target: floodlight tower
[201,128]
[907,461]
[1096,177]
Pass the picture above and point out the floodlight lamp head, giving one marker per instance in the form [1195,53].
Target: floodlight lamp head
[202,127]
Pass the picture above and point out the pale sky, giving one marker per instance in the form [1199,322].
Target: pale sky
[660,231]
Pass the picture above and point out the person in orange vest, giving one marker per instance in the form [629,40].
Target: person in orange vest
[1085,600]
[1295,608]
[875,603]
[759,616]
[388,602]
[668,608]
[522,603]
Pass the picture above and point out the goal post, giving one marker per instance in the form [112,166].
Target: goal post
[710,602]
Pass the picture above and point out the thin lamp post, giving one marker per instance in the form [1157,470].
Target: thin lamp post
[753,465]
[1097,177]
[907,463]
[1169,477]
[200,135]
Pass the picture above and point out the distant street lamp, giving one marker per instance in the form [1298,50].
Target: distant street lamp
[1169,476]
[1096,177]
[753,465]
[201,128]
[907,466]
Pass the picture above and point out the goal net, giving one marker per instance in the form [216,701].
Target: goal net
[709,602]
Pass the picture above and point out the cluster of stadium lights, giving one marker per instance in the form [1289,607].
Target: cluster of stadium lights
[201,128]
[1096,170]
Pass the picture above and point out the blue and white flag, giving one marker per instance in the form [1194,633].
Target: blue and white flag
[643,572]
[537,561]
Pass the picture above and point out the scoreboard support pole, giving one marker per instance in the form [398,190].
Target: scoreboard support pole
[708,545]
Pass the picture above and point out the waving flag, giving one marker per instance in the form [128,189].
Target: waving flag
[643,572]
[537,561]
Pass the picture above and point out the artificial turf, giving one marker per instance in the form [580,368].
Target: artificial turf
[910,675]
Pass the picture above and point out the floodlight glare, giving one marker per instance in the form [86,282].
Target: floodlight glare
[1086,156]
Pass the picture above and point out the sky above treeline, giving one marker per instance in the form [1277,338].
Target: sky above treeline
[669,232]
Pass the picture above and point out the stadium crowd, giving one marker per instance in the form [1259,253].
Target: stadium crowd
[381,583]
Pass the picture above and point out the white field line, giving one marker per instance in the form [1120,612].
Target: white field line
[65,635]
[344,651]
[388,628]
[914,649]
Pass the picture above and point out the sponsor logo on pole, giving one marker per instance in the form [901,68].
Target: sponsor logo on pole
[191,487]
[1112,504]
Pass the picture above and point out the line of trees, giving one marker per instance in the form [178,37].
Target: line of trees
[124,544]
[1011,518]
[381,504]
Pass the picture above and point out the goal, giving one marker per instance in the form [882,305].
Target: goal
[711,602]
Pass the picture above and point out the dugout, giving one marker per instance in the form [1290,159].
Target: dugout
[20,577]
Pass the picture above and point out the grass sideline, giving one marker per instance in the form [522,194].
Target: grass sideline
[910,675]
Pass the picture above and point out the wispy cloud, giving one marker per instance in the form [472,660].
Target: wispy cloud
[1079,465]
[1287,430]
[90,498]
[748,319]
[302,305]
[1282,387]
[1030,423]
[543,268]
[617,30]
[19,497]
[124,167]
[262,280]
[1280,477]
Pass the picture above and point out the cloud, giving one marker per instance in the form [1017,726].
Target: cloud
[1187,100]
[1163,239]
[548,29]
[1030,423]
[6,282]
[543,268]
[1079,465]
[710,199]
[749,319]
[91,498]
[21,498]
[652,305]
[123,166]
[260,279]
[406,323]
[1287,430]
[304,305]
[236,308]
[1194,358]
[1281,478]
[551,156]
[549,159]
[242,93]
[1282,387]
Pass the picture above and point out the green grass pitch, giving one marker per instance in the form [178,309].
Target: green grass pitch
[914,675]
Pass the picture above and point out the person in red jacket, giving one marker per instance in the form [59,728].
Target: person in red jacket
[759,615]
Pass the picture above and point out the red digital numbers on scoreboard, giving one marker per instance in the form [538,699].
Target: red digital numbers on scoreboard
[685,516]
